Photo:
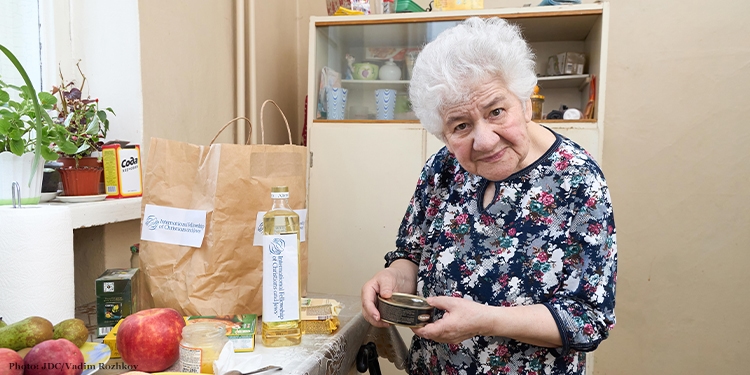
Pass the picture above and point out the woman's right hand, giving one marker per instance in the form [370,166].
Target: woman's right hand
[400,276]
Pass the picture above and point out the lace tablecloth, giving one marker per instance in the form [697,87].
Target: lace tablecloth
[335,354]
[323,354]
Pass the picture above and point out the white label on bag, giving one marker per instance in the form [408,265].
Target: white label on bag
[174,226]
[280,278]
[258,237]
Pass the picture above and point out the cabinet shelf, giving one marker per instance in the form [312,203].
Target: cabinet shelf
[578,81]
[355,82]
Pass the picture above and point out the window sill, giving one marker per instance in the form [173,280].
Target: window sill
[108,211]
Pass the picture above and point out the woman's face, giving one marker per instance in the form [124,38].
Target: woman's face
[489,133]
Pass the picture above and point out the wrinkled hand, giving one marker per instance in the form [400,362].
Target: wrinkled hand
[383,283]
[463,319]
[400,277]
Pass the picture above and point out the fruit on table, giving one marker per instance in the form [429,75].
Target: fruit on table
[10,362]
[54,357]
[72,329]
[26,333]
[23,352]
[150,339]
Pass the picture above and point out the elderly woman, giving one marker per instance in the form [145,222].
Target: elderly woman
[510,233]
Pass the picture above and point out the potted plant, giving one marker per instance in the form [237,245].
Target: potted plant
[26,133]
[81,128]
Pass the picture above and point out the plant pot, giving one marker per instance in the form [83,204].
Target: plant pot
[51,178]
[81,180]
[18,168]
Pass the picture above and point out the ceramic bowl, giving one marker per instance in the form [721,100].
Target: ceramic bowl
[365,71]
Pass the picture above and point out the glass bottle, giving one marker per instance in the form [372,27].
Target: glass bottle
[537,103]
[201,345]
[281,273]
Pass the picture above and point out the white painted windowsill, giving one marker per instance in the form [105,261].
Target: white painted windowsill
[108,211]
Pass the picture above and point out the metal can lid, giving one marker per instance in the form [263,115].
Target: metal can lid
[406,300]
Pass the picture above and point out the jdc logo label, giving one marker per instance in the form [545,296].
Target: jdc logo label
[276,246]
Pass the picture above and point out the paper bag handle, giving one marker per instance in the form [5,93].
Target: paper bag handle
[262,133]
[249,134]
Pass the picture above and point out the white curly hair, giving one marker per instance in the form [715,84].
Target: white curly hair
[461,58]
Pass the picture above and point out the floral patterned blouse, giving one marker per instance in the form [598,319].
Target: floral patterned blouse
[548,237]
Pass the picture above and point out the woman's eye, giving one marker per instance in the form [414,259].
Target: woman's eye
[460,127]
[496,112]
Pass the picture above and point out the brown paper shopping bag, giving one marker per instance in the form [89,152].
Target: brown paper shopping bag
[231,183]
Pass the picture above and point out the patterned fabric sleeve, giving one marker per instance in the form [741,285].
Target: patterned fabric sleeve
[583,306]
[412,234]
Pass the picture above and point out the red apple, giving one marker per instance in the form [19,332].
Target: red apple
[149,340]
[11,362]
[54,357]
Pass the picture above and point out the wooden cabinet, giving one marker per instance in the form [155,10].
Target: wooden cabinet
[361,179]
[363,171]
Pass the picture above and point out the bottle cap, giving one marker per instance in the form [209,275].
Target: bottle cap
[536,94]
[279,192]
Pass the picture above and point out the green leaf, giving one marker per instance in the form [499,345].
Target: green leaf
[4,126]
[12,116]
[4,96]
[49,154]
[66,123]
[83,148]
[66,147]
[15,134]
[25,92]
[93,128]
[17,146]
[47,100]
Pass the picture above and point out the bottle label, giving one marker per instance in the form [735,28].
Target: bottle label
[280,278]
[280,195]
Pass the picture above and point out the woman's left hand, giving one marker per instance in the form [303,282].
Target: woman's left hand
[463,319]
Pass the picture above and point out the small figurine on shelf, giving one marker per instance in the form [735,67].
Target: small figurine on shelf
[350,67]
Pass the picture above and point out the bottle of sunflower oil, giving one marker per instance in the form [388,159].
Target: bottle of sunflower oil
[281,273]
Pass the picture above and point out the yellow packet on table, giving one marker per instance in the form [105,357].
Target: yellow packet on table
[319,315]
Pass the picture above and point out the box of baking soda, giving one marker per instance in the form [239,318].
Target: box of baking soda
[122,170]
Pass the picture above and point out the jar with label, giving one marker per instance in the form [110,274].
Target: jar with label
[201,345]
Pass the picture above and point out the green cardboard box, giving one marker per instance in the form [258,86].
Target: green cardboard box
[116,294]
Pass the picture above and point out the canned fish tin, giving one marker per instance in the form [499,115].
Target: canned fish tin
[405,309]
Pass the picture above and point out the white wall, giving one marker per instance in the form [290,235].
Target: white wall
[105,37]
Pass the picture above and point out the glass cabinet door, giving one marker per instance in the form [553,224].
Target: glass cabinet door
[362,67]
[372,65]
